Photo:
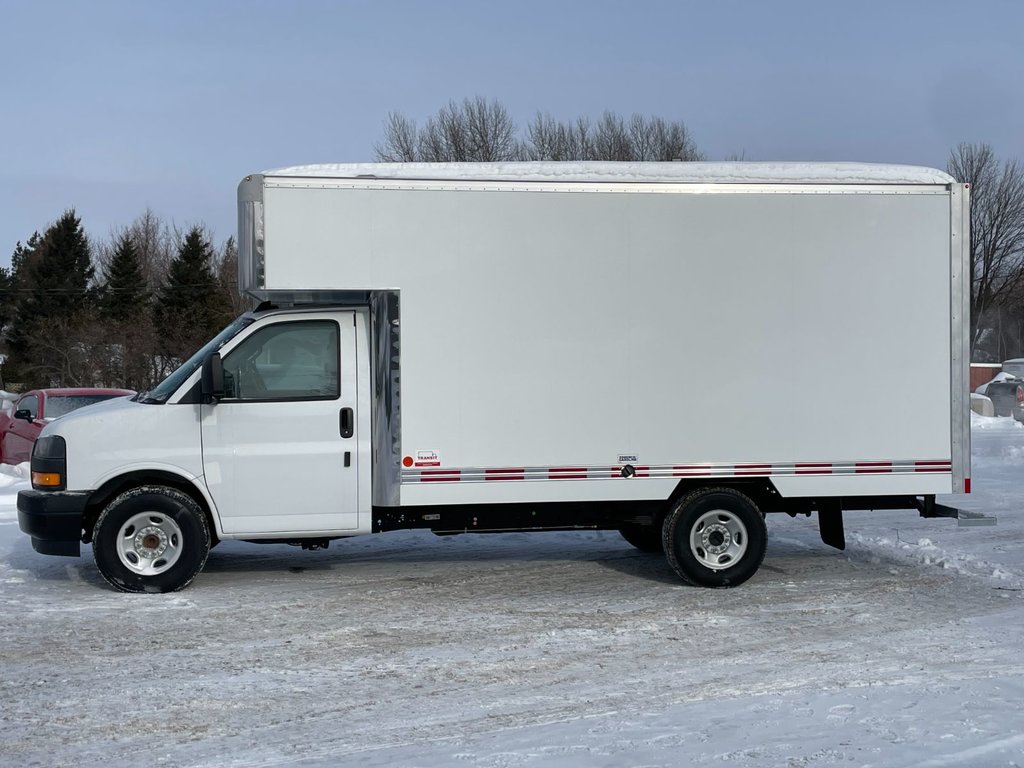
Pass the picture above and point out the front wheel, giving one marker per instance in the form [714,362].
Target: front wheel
[151,539]
[715,537]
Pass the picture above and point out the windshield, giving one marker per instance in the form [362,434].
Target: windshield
[61,404]
[169,386]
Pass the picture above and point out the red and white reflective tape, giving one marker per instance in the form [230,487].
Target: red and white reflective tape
[710,470]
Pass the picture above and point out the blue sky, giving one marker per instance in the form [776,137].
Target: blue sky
[110,107]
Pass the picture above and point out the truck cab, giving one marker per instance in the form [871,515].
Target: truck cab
[278,451]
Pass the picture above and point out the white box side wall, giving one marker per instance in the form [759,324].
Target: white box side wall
[564,329]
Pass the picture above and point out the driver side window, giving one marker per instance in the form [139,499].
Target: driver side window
[287,361]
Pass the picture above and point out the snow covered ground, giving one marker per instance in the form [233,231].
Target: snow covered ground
[552,649]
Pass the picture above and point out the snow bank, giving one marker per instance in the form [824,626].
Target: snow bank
[996,440]
[13,478]
[994,423]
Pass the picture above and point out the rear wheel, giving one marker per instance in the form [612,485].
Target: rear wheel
[715,537]
[151,539]
[646,538]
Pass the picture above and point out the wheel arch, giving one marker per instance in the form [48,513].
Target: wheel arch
[760,490]
[115,486]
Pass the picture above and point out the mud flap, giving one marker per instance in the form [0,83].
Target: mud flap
[830,523]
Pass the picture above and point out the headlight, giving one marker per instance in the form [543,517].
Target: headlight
[49,464]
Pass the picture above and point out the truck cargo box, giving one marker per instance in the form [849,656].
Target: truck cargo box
[556,322]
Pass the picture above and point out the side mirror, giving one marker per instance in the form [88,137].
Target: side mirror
[24,413]
[212,381]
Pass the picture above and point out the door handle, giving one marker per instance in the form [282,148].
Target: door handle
[347,422]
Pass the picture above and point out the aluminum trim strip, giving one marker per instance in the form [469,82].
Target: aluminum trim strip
[705,470]
[960,341]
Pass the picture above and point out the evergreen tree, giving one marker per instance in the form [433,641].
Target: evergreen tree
[190,307]
[54,301]
[124,296]
[7,295]
[12,279]
[125,355]
[61,273]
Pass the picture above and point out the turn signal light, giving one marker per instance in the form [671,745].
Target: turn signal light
[47,479]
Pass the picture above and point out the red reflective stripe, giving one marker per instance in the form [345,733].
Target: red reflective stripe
[567,473]
[873,467]
[933,466]
[753,469]
[684,470]
[967,485]
[504,474]
[811,468]
[436,475]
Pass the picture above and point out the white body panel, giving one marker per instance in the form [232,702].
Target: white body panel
[547,326]
[121,436]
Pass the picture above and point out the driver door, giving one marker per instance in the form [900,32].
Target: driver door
[279,448]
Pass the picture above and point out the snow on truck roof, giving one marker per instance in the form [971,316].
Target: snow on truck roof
[677,172]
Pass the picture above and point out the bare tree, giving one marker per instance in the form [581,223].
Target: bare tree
[611,138]
[156,243]
[654,138]
[399,145]
[483,131]
[997,231]
[490,130]
[548,139]
[476,130]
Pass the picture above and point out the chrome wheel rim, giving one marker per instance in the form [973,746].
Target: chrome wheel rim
[718,539]
[149,543]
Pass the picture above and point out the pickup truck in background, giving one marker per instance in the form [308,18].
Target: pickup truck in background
[1006,390]
[21,424]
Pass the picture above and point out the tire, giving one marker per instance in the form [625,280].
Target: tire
[646,538]
[151,539]
[715,537]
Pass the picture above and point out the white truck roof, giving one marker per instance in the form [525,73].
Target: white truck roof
[676,172]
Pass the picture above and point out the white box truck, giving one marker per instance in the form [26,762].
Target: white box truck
[667,350]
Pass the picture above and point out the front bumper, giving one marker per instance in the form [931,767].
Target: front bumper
[53,519]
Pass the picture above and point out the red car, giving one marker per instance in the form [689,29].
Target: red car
[20,426]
